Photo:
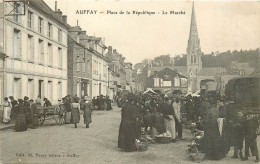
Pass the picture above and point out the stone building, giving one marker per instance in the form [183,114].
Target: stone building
[99,66]
[79,63]
[167,81]
[36,46]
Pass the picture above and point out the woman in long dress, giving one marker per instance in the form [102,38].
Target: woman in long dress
[20,123]
[128,130]
[214,149]
[75,115]
[87,108]
[7,110]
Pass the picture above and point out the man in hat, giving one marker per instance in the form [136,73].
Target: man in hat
[33,114]
[87,109]
[47,102]
[177,110]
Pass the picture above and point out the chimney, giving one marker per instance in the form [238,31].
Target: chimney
[77,22]
[83,32]
[114,51]
[59,13]
[55,5]
[64,19]
[110,49]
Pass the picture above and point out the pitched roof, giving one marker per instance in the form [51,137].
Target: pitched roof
[211,71]
[168,71]
[180,69]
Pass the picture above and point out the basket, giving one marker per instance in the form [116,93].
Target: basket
[142,145]
[197,157]
[163,140]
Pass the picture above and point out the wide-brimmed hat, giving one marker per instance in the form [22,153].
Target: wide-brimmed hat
[11,97]
[31,100]
[26,98]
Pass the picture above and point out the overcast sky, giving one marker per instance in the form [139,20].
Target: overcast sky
[221,25]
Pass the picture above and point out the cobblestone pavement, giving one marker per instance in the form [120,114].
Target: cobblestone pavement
[51,143]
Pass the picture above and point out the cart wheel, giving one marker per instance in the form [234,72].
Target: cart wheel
[59,114]
[41,119]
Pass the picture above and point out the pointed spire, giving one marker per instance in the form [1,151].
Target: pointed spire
[193,24]
[193,42]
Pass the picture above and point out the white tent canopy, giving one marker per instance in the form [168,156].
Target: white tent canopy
[149,90]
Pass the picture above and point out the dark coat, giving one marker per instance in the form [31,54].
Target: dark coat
[128,130]
[213,145]
[20,123]
[87,108]
[67,105]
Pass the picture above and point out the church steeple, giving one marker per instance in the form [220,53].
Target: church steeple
[193,50]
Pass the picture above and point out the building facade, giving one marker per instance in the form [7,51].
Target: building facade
[36,44]
[167,81]
[79,63]
[99,66]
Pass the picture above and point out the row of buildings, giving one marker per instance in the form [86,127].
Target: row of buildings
[42,55]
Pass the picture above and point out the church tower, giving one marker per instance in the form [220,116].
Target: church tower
[194,63]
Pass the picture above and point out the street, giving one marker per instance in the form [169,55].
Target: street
[52,143]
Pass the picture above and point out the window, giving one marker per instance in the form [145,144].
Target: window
[50,55]
[84,67]
[49,30]
[167,83]
[41,88]
[191,59]
[40,25]
[60,58]
[177,81]
[30,48]
[29,19]
[195,59]
[17,49]
[50,91]
[156,82]
[17,88]
[30,88]
[59,89]
[41,52]
[88,65]
[59,35]
[184,82]
[78,64]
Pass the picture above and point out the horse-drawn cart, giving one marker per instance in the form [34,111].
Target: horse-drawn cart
[57,111]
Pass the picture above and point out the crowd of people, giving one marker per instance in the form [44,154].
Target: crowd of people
[26,112]
[222,120]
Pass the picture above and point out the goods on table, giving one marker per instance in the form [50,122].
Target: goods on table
[141,145]
[164,138]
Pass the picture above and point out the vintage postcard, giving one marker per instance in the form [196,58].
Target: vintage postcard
[122,82]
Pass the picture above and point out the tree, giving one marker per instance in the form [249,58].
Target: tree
[163,60]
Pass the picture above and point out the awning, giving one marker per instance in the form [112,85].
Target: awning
[149,91]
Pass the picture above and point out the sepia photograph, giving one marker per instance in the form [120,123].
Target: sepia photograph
[123,82]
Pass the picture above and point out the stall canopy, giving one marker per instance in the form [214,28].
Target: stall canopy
[150,91]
